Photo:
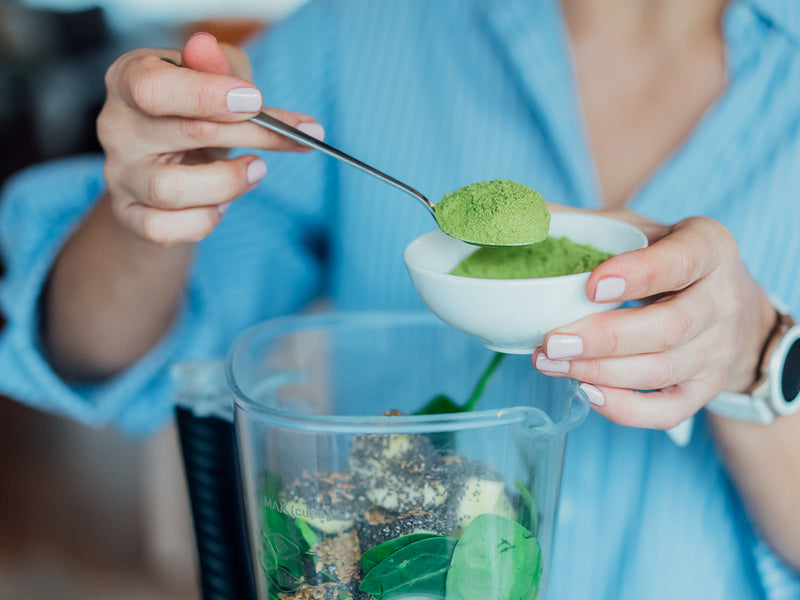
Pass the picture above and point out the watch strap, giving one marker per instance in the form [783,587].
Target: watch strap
[742,407]
[754,405]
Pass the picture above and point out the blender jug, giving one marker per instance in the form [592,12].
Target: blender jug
[350,491]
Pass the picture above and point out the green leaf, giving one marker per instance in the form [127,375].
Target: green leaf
[283,548]
[495,559]
[527,515]
[440,405]
[487,375]
[309,535]
[419,568]
[378,553]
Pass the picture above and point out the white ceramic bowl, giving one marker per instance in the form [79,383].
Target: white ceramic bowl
[513,315]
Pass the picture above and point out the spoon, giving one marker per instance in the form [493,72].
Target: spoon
[286,130]
[290,132]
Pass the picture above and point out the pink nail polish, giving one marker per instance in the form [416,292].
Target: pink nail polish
[564,346]
[594,394]
[244,100]
[609,288]
[315,130]
[551,366]
[256,171]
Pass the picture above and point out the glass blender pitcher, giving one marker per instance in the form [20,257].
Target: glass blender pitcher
[355,483]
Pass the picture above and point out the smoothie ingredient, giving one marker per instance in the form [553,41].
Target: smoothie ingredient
[481,496]
[550,258]
[495,558]
[374,555]
[494,213]
[443,405]
[419,568]
[398,471]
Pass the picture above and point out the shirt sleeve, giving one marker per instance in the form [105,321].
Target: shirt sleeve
[265,259]
[40,208]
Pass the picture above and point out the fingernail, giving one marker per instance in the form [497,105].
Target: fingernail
[244,100]
[564,346]
[256,171]
[223,208]
[203,34]
[609,289]
[551,366]
[315,130]
[594,394]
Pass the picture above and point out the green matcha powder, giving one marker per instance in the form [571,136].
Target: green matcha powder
[550,258]
[494,213]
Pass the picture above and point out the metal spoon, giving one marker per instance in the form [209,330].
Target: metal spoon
[298,136]
[290,132]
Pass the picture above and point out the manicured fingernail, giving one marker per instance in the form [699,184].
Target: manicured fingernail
[564,346]
[256,171]
[315,130]
[551,366]
[203,34]
[609,289]
[223,208]
[594,394]
[244,100]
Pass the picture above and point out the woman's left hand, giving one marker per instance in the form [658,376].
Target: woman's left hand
[701,331]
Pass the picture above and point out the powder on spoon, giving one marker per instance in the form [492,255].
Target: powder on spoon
[550,258]
[494,213]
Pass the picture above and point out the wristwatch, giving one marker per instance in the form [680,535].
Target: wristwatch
[776,391]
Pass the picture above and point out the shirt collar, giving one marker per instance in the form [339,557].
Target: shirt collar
[781,15]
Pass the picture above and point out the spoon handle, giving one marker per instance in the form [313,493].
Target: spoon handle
[298,136]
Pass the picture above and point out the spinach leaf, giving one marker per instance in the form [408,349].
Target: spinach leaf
[527,515]
[495,559]
[283,549]
[376,554]
[443,405]
[417,569]
[309,535]
[438,406]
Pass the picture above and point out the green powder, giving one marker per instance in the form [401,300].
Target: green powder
[494,213]
[552,257]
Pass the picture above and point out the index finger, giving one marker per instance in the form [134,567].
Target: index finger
[693,248]
[159,89]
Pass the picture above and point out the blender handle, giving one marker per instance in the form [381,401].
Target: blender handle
[577,412]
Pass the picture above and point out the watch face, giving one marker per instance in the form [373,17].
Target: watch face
[790,381]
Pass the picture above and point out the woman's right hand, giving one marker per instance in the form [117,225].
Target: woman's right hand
[165,129]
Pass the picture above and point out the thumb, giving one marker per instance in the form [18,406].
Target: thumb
[203,53]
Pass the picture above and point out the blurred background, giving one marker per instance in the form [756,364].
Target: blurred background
[90,514]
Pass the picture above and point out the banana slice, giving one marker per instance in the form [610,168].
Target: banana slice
[480,496]
[398,472]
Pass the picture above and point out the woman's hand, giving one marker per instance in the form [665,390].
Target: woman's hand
[701,332]
[162,128]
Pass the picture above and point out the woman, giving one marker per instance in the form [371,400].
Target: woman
[682,112]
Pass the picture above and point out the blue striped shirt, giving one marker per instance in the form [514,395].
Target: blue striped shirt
[441,94]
